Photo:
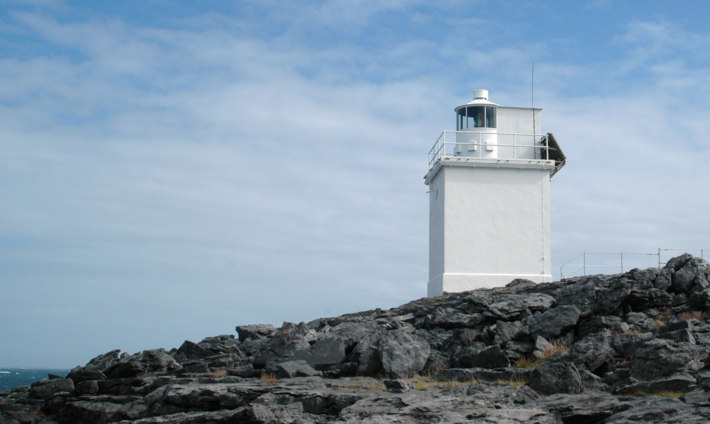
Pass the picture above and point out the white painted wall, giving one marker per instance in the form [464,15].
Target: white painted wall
[437,197]
[488,224]
[517,120]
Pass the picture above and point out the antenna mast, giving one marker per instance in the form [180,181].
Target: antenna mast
[532,94]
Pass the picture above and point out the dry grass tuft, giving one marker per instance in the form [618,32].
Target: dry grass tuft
[688,315]
[269,377]
[668,393]
[558,346]
[514,382]
[665,393]
[378,387]
[528,362]
[422,383]
[222,372]
[358,383]
[662,318]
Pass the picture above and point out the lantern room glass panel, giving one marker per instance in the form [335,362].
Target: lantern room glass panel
[490,117]
[461,119]
[476,117]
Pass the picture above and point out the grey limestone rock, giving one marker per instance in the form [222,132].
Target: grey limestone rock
[190,350]
[593,353]
[655,409]
[79,374]
[398,386]
[508,374]
[516,351]
[367,357]
[553,322]
[679,383]
[323,353]
[520,283]
[464,358]
[99,364]
[631,386]
[352,332]
[657,358]
[85,411]
[600,323]
[635,341]
[462,338]
[698,397]
[403,354]
[681,331]
[510,305]
[640,320]
[451,318]
[588,407]
[506,331]
[147,361]
[513,416]
[283,344]
[297,368]
[490,357]
[556,377]
[255,331]
[44,389]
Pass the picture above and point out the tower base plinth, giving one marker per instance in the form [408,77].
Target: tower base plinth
[459,282]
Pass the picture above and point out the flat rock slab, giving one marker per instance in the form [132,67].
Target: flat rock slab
[587,407]
[298,368]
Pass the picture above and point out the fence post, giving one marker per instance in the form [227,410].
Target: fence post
[659,257]
[621,255]
[584,266]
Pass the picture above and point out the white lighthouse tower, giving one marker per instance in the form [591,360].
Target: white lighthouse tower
[489,198]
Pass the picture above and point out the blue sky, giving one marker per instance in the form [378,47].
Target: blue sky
[169,170]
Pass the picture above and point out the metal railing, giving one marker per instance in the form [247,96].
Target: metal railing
[507,146]
[612,262]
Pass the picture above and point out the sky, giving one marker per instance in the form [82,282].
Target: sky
[170,170]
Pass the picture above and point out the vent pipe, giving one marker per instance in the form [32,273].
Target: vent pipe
[480,94]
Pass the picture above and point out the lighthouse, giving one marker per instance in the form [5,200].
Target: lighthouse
[489,198]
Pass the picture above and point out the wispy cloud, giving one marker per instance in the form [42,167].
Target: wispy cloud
[217,169]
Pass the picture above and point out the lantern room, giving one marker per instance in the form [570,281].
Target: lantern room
[479,113]
[476,121]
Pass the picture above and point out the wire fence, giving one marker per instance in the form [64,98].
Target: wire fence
[589,263]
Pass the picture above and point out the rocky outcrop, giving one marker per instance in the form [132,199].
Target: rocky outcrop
[594,349]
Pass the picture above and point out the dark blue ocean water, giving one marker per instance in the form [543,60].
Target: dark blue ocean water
[13,377]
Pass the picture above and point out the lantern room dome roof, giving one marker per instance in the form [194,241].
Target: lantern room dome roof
[480,98]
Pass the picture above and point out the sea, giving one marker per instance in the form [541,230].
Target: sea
[16,377]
